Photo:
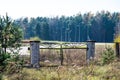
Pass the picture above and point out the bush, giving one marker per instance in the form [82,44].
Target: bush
[3,58]
[108,56]
[10,63]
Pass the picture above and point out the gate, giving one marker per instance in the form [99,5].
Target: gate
[59,54]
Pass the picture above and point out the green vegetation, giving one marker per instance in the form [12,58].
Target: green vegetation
[108,56]
[10,41]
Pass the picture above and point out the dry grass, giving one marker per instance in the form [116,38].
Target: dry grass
[91,72]
[71,57]
[74,67]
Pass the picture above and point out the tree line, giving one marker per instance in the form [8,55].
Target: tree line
[101,27]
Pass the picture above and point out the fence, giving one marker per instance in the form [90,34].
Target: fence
[36,53]
[66,52]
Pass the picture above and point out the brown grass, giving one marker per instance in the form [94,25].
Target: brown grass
[74,67]
[71,57]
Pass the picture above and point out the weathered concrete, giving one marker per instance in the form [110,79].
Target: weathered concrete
[35,53]
[90,50]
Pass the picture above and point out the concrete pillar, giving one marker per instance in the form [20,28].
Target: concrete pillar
[90,50]
[35,54]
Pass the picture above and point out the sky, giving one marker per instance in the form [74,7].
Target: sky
[51,8]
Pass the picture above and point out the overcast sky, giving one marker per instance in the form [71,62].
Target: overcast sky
[50,8]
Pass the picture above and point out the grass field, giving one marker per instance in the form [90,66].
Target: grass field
[74,68]
[91,72]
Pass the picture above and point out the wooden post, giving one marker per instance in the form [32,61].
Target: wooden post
[90,50]
[117,47]
[35,54]
[61,54]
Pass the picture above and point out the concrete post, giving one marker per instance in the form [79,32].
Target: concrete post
[90,50]
[35,54]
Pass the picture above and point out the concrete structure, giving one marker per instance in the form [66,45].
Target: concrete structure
[35,54]
[90,50]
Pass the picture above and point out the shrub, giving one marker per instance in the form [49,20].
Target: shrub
[108,56]
[3,59]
